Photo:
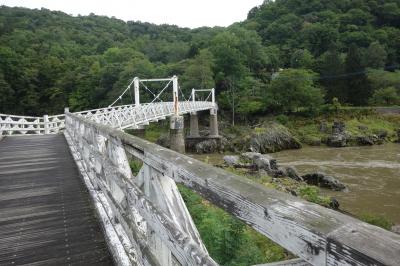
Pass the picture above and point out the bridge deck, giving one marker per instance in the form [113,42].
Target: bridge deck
[46,217]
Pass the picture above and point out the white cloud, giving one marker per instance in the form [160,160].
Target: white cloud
[185,13]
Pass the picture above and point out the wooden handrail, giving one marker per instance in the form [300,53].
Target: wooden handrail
[316,234]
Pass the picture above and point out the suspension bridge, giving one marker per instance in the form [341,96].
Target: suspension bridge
[69,197]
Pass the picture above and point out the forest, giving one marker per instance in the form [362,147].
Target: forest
[287,55]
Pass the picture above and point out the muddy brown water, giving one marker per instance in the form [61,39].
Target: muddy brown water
[372,175]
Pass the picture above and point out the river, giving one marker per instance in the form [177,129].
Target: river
[372,175]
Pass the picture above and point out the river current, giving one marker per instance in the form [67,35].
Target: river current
[372,175]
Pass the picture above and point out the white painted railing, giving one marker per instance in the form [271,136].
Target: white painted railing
[30,125]
[121,117]
[131,116]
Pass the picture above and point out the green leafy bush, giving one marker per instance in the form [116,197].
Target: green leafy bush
[228,240]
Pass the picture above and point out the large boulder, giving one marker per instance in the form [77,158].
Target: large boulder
[338,127]
[261,161]
[339,137]
[337,140]
[322,180]
[272,138]
[366,140]
[292,173]
[207,146]
[232,160]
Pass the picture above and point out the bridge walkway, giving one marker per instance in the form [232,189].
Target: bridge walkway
[46,216]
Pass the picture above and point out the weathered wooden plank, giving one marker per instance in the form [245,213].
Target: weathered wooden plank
[46,217]
[312,232]
[292,262]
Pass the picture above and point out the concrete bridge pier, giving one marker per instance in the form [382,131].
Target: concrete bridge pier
[194,125]
[176,134]
[214,123]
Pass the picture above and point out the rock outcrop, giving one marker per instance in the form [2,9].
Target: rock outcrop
[272,138]
[339,137]
[207,146]
[322,180]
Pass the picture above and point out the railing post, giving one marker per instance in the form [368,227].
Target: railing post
[193,95]
[46,124]
[66,110]
[136,90]
[213,95]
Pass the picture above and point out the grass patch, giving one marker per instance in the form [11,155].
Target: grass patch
[135,165]
[377,220]
[311,194]
[154,131]
[308,130]
[228,240]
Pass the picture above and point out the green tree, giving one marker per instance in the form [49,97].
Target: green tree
[294,88]
[331,69]
[302,59]
[198,73]
[358,87]
[6,95]
[375,56]
[385,97]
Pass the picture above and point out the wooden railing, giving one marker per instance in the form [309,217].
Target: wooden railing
[147,222]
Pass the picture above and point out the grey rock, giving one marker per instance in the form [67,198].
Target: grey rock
[339,137]
[207,146]
[382,134]
[261,161]
[337,140]
[366,140]
[338,127]
[231,160]
[292,173]
[334,204]
[272,138]
[322,180]
[396,229]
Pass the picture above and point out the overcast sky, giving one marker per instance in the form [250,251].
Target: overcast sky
[184,13]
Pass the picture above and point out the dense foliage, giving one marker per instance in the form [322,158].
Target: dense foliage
[287,54]
[229,241]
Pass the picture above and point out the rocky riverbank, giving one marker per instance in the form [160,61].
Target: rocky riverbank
[266,170]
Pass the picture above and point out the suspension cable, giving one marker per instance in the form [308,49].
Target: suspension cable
[120,97]
[157,97]
[183,95]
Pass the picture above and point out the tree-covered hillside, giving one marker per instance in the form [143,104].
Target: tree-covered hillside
[342,49]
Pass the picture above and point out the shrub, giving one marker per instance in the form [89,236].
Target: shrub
[377,220]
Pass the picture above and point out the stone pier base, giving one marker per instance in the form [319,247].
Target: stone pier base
[213,124]
[194,125]
[176,134]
